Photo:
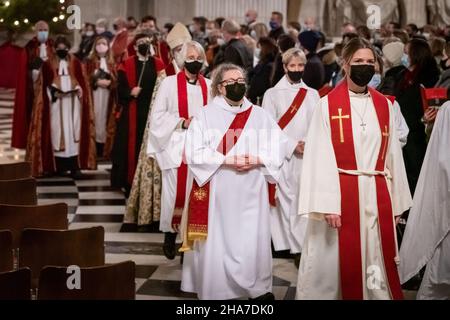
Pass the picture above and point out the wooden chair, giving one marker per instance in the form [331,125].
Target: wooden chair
[6,251]
[40,248]
[14,171]
[18,192]
[18,218]
[15,285]
[113,282]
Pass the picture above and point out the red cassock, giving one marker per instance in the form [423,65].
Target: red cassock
[39,148]
[25,92]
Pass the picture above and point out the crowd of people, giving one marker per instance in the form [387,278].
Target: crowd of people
[176,111]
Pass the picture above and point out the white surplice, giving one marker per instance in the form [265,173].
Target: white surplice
[167,139]
[288,228]
[427,236]
[400,124]
[319,272]
[65,117]
[101,100]
[235,261]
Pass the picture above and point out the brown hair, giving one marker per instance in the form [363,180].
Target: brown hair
[93,55]
[354,45]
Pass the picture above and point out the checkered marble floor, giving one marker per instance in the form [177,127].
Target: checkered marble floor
[92,202]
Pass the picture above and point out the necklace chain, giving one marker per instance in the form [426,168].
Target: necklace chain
[363,125]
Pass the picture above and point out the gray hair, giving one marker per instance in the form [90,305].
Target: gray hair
[197,46]
[102,22]
[217,76]
[294,52]
[231,26]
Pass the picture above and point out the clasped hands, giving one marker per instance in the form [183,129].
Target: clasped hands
[242,163]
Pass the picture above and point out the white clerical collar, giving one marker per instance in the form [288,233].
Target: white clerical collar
[141,58]
[63,68]
[284,83]
[221,102]
[43,51]
[103,64]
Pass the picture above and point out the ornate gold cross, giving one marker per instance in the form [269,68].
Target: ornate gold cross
[340,117]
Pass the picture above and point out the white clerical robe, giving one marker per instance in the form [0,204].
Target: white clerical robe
[427,236]
[235,261]
[400,124]
[288,228]
[101,100]
[65,117]
[167,139]
[319,272]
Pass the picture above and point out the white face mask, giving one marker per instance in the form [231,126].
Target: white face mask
[376,81]
[192,28]
[257,53]
[100,30]
[253,34]
[220,42]
[90,33]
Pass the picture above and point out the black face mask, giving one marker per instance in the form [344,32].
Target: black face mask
[361,74]
[236,91]
[444,65]
[62,53]
[143,49]
[193,67]
[295,76]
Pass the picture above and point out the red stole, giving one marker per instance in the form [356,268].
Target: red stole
[197,223]
[183,111]
[349,234]
[284,121]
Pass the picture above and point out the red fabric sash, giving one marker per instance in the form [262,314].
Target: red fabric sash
[197,228]
[183,111]
[349,234]
[284,121]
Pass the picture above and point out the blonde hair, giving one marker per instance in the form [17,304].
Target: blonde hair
[293,52]
[217,76]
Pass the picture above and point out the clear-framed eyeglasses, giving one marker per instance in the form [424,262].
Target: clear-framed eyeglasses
[230,82]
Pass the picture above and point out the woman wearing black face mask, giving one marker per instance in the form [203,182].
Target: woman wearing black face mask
[291,103]
[354,189]
[180,98]
[62,127]
[228,228]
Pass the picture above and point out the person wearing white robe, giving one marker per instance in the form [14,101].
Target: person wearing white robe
[288,228]
[168,133]
[101,94]
[235,260]
[65,112]
[320,193]
[426,242]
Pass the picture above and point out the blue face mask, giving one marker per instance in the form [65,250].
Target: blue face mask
[376,81]
[405,60]
[274,25]
[42,36]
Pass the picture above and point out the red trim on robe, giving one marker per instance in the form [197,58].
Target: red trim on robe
[283,123]
[351,273]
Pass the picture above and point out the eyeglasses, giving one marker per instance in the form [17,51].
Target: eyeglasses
[193,60]
[230,82]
